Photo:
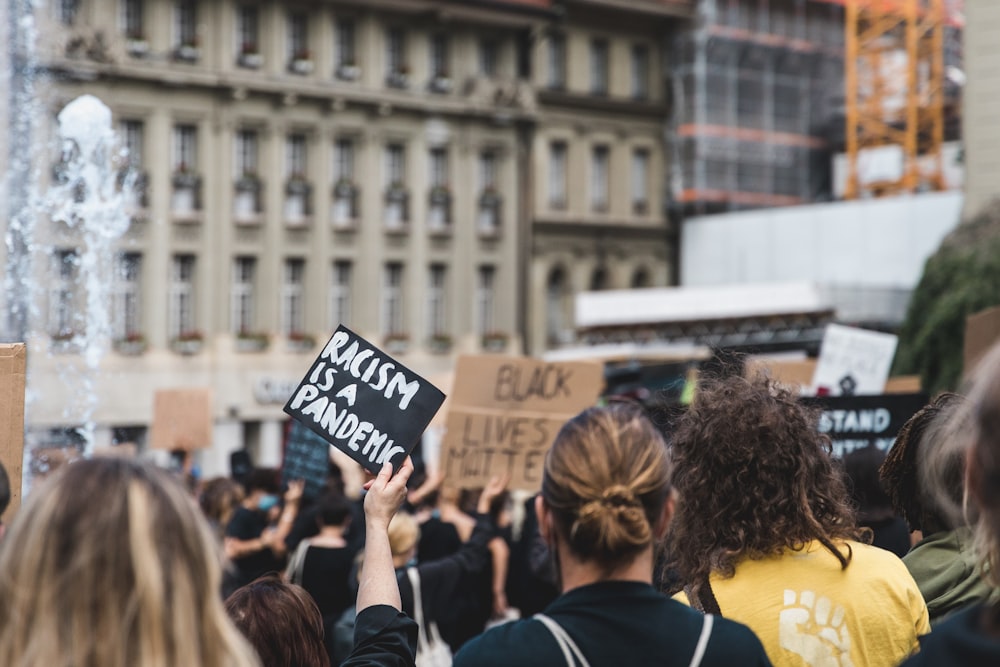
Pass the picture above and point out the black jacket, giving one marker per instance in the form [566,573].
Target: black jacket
[958,641]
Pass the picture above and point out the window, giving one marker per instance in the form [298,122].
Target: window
[181,302]
[557,298]
[439,57]
[557,175]
[248,35]
[64,315]
[640,71]
[599,67]
[437,324]
[132,19]
[599,279]
[485,299]
[345,194]
[296,156]
[340,294]
[68,9]
[395,164]
[640,278]
[186,23]
[392,300]
[640,181]
[293,297]
[345,55]
[185,147]
[396,209]
[125,314]
[599,179]
[133,142]
[395,61]
[298,40]
[246,153]
[439,208]
[243,298]
[489,198]
[557,61]
[488,50]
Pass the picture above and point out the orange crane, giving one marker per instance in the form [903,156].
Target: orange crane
[894,74]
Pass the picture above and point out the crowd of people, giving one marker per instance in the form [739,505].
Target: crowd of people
[725,535]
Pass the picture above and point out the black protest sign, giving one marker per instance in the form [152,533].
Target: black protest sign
[364,402]
[307,457]
[856,422]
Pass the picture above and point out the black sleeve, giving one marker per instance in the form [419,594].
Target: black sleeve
[383,637]
[242,526]
[304,526]
[439,579]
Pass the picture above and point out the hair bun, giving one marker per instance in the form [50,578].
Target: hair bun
[619,495]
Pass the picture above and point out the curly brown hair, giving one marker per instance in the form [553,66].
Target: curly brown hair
[755,477]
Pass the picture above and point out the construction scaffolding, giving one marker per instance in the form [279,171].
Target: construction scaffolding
[897,52]
[759,91]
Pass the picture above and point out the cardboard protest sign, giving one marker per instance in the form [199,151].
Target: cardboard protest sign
[12,367]
[982,329]
[505,414]
[853,362]
[307,457]
[856,422]
[364,402]
[182,419]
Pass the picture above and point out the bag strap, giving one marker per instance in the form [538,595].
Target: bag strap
[704,600]
[298,562]
[569,648]
[706,632]
[423,641]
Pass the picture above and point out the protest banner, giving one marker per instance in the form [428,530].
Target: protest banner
[856,422]
[364,402]
[982,330]
[795,374]
[853,361]
[182,419]
[307,457]
[12,367]
[505,414]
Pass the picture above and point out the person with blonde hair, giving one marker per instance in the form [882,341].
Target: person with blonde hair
[109,564]
[970,636]
[606,501]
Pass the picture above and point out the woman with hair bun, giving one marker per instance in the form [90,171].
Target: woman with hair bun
[605,502]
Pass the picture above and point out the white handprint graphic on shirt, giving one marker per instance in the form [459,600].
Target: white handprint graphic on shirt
[813,629]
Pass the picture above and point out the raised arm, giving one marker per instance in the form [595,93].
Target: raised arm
[378,578]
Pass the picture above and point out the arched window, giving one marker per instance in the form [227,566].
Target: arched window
[640,278]
[556,298]
[599,279]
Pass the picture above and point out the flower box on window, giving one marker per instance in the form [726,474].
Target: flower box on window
[136,46]
[185,200]
[440,343]
[298,202]
[488,220]
[301,63]
[187,343]
[441,84]
[494,341]
[250,59]
[396,207]
[299,341]
[439,210]
[345,204]
[348,72]
[399,78]
[187,53]
[131,345]
[252,341]
[397,343]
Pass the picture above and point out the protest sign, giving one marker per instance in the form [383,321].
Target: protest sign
[982,329]
[853,362]
[505,414]
[364,402]
[12,365]
[307,457]
[856,422]
[182,419]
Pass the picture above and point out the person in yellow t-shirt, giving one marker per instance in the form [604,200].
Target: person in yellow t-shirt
[764,534]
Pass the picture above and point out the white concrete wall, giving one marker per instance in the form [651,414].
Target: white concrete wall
[875,243]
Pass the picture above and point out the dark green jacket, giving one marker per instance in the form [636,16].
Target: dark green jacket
[944,567]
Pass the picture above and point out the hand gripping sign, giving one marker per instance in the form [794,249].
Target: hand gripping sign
[364,402]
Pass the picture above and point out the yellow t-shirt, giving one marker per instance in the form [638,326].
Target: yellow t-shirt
[808,612]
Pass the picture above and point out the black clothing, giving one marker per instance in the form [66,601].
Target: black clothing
[383,637]
[959,641]
[891,534]
[445,584]
[249,525]
[437,539]
[326,576]
[530,577]
[616,623]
